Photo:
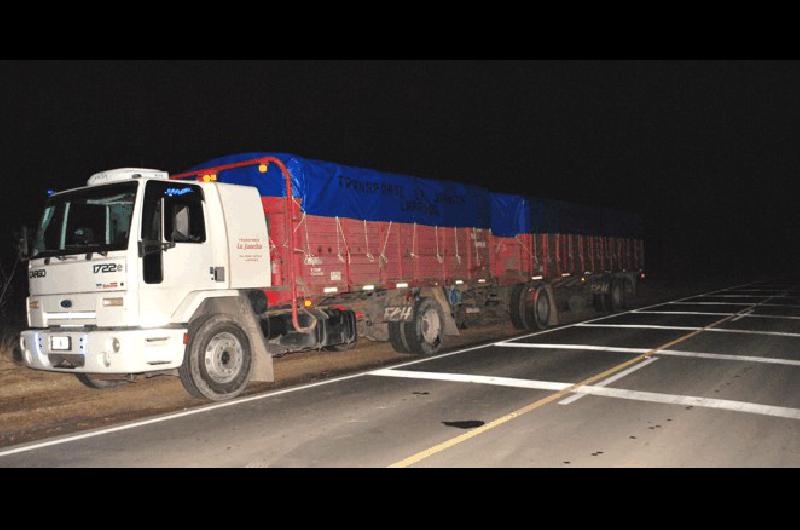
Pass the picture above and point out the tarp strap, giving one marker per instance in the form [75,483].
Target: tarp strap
[455,238]
[439,258]
[413,241]
[339,230]
[477,253]
[370,257]
[382,258]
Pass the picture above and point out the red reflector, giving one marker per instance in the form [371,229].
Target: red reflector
[359,314]
[186,338]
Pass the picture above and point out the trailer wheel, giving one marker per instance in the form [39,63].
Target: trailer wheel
[602,303]
[617,296]
[424,333]
[218,359]
[397,338]
[530,307]
[99,381]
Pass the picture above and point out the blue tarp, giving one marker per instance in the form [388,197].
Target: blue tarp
[509,214]
[330,189]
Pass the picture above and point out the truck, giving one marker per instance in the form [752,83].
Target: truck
[210,273]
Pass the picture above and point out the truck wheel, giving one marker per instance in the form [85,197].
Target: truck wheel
[99,381]
[397,338]
[424,333]
[617,296]
[218,359]
[530,307]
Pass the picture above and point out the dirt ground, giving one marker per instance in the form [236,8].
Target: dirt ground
[35,405]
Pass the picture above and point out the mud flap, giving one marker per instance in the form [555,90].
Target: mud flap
[262,370]
[450,327]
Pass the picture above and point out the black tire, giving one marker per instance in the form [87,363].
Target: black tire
[218,359]
[530,307]
[424,333]
[397,338]
[617,296]
[516,307]
[100,382]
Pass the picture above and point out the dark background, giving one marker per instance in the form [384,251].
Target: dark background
[706,152]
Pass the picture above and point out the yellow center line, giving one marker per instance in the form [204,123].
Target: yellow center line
[422,455]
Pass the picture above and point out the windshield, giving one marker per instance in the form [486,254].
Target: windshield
[87,220]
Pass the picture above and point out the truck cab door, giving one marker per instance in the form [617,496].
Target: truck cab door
[176,257]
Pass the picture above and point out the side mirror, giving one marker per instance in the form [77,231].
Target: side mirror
[24,248]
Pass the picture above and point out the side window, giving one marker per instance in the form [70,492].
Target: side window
[184,222]
[183,213]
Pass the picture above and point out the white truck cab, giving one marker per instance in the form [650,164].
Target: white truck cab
[133,271]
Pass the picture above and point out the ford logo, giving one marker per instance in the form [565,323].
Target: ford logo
[66,303]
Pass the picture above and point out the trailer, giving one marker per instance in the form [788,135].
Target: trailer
[209,273]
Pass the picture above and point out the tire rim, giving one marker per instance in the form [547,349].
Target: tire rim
[431,326]
[223,357]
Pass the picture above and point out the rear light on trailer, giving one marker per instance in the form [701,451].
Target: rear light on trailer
[34,304]
[368,288]
[307,303]
[641,275]
[186,338]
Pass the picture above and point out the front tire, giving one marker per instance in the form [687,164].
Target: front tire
[218,359]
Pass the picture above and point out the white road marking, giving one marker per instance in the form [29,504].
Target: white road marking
[506,344]
[640,326]
[605,382]
[682,313]
[709,303]
[731,357]
[755,332]
[727,296]
[779,317]
[466,378]
[693,401]
[618,393]
[638,351]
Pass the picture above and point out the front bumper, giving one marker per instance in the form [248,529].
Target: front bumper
[138,350]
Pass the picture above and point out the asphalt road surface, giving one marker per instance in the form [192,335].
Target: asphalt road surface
[706,381]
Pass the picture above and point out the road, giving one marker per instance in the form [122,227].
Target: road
[705,381]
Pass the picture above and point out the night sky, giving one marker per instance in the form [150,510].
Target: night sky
[707,152]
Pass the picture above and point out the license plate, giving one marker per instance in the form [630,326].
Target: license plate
[60,343]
